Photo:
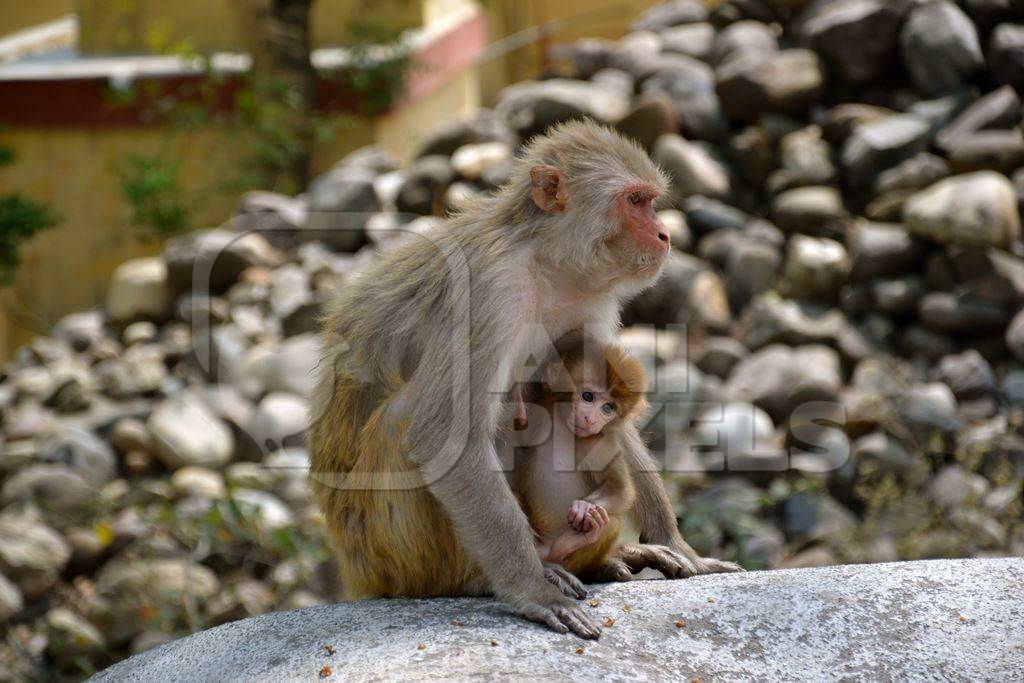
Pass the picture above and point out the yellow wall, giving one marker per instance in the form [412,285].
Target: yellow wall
[16,15]
[133,26]
[67,268]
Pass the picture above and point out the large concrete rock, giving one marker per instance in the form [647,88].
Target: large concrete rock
[956,619]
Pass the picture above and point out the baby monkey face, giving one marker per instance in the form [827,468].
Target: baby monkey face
[592,410]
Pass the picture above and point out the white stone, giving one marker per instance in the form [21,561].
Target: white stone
[901,621]
[139,289]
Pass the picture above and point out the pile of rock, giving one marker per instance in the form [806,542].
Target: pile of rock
[849,386]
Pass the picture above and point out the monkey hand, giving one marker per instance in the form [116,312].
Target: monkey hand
[547,605]
[587,517]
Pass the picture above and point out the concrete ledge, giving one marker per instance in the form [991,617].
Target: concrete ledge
[948,619]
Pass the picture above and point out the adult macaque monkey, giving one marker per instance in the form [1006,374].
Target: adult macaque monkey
[419,352]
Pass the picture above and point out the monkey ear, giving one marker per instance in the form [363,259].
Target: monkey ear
[547,186]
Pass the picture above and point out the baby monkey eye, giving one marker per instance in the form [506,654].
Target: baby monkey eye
[636,197]
[608,408]
[587,396]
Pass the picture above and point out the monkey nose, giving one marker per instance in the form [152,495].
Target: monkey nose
[663,236]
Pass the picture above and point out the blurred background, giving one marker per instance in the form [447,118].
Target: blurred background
[838,337]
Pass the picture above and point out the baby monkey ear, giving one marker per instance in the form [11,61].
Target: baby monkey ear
[547,186]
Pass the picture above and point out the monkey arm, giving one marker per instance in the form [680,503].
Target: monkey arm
[451,436]
[615,491]
[661,545]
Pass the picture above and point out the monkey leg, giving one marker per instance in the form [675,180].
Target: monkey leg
[390,541]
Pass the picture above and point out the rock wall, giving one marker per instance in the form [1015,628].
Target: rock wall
[913,621]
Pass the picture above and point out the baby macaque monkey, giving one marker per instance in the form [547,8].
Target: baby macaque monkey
[575,485]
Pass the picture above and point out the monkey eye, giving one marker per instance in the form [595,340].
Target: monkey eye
[608,408]
[587,396]
[636,197]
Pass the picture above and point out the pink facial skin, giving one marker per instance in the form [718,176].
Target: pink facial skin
[592,410]
[636,212]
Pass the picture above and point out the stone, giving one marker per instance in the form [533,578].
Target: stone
[857,38]
[691,86]
[816,267]
[954,486]
[706,215]
[939,46]
[54,487]
[718,355]
[692,40]
[591,55]
[373,158]
[898,296]
[999,109]
[211,261]
[692,169]
[670,13]
[32,554]
[290,367]
[84,452]
[424,186]
[484,126]
[995,150]
[1006,55]
[162,588]
[976,209]
[770,319]
[841,120]
[885,453]
[198,481]
[678,229]
[878,249]
[1015,335]
[532,107]
[1012,388]
[876,146]
[688,292]
[809,210]
[71,637]
[968,375]
[278,218]
[752,269]
[80,330]
[11,600]
[340,203]
[778,378]
[471,161]
[280,420]
[960,313]
[139,289]
[271,512]
[184,432]
[805,160]
[787,82]
[915,173]
[841,610]
[653,115]
[730,431]
[743,38]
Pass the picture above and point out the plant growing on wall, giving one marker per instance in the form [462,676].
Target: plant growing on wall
[20,219]
[272,110]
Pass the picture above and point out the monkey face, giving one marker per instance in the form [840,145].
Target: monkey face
[592,411]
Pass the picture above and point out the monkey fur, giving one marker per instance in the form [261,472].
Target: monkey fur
[419,350]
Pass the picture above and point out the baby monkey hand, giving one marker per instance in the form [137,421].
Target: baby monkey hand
[588,518]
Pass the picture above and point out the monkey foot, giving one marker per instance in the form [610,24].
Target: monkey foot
[564,581]
[670,562]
